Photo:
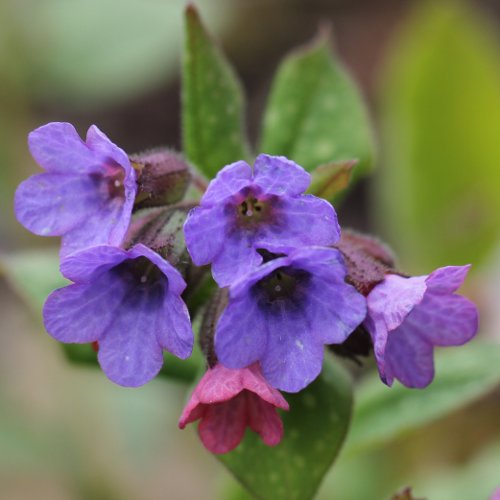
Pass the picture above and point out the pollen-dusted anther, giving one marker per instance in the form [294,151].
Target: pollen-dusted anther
[162,176]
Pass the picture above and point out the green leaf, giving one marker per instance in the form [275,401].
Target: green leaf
[33,274]
[441,110]
[383,413]
[212,102]
[315,114]
[315,429]
[327,181]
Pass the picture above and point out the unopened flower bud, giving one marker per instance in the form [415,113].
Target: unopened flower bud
[162,177]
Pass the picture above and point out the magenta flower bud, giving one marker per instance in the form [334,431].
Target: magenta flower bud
[228,401]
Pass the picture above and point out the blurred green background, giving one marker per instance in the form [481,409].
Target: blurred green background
[430,73]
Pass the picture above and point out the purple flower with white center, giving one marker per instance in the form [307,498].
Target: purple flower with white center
[407,317]
[129,301]
[244,209]
[86,194]
[282,313]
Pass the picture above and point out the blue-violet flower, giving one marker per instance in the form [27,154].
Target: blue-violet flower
[129,301]
[407,317]
[282,314]
[86,194]
[244,209]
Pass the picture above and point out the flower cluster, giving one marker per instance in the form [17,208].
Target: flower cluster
[291,282]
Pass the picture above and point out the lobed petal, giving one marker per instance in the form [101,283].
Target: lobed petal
[223,425]
[392,300]
[205,231]
[53,204]
[409,356]
[241,334]
[264,420]
[254,381]
[228,182]
[86,265]
[277,175]
[445,320]
[58,148]
[236,259]
[293,357]
[302,221]
[447,279]
[129,352]
[173,327]
[334,309]
[83,313]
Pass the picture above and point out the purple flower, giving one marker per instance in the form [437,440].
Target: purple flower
[86,194]
[407,317]
[227,401]
[243,210]
[129,301]
[282,314]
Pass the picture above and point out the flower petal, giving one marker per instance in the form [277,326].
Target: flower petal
[82,313]
[229,181]
[237,258]
[204,231]
[447,279]
[277,175]
[98,142]
[254,381]
[305,220]
[334,309]
[58,148]
[83,266]
[445,319]
[223,425]
[240,338]
[394,298]
[293,357]
[53,204]
[129,352]
[264,419]
[173,327]
[409,357]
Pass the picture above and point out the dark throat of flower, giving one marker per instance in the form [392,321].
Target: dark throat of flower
[252,211]
[282,285]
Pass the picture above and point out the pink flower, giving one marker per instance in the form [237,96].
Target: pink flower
[227,401]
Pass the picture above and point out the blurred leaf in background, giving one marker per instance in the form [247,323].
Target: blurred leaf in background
[315,114]
[441,121]
[89,52]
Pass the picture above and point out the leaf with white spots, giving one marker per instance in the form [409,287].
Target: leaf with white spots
[212,102]
[315,114]
[315,428]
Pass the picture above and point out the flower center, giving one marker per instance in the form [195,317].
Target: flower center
[282,284]
[114,180]
[141,273]
[251,211]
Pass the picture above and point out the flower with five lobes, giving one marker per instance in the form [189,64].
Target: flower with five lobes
[227,401]
[407,317]
[129,301]
[245,209]
[86,193]
[282,313]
